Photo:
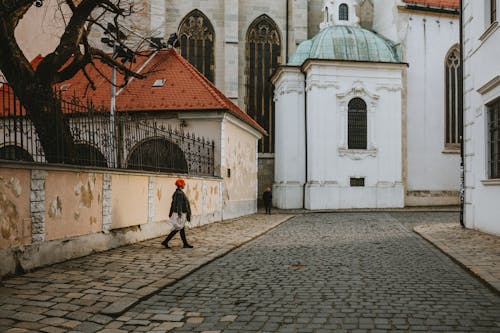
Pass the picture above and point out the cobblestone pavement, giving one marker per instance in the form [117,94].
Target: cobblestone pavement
[325,273]
[476,251]
[82,294]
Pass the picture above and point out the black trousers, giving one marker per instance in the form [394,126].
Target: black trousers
[268,208]
[173,233]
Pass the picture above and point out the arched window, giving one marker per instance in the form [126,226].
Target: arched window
[343,12]
[89,155]
[357,124]
[262,57]
[15,153]
[157,154]
[453,91]
[197,39]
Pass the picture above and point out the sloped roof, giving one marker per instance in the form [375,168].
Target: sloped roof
[184,88]
[441,4]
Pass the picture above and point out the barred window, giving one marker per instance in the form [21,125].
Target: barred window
[494,139]
[357,124]
[263,50]
[493,11]
[197,39]
[343,12]
[453,93]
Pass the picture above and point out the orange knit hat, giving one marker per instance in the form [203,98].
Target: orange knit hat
[180,182]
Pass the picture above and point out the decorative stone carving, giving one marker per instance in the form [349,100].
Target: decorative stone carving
[357,154]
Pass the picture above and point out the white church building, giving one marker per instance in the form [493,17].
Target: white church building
[369,119]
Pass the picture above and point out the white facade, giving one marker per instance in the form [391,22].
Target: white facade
[433,168]
[482,88]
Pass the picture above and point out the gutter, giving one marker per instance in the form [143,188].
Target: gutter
[433,9]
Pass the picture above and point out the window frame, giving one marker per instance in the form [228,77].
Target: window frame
[351,112]
[493,138]
[343,12]
[452,112]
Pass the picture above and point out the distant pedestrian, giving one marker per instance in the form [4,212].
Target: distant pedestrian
[182,210]
[267,196]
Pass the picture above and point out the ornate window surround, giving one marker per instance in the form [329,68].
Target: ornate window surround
[451,142]
[358,90]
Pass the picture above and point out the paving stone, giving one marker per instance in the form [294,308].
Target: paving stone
[88,327]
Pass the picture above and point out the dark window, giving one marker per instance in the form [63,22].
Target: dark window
[158,154]
[262,57]
[15,153]
[493,11]
[453,93]
[494,138]
[197,39]
[357,124]
[343,12]
[89,156]
[357,182]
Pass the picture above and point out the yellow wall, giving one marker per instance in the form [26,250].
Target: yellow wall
[73,204]
[15,222]
[129,200]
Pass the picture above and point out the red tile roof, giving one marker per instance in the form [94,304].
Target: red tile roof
[442,4]
[184,88]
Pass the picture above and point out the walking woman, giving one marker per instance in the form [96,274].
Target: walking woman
[182,210]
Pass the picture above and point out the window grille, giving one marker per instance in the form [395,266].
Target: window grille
[494,139]
[357,182]
[343,12]
[263,50]
[197,39]
[357,124]
[453,93]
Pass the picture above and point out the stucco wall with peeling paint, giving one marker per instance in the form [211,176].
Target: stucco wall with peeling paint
[15,222]
[129,200]
[73,204]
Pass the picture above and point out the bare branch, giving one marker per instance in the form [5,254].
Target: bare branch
[108,60]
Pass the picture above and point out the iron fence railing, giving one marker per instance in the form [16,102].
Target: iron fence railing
[140,142]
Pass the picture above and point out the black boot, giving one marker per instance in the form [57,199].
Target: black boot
[169,237]
[184,240]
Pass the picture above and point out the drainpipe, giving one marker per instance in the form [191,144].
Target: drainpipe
[306,136]
[461,110]
[286,29]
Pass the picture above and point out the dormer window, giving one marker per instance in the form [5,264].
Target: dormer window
[343,12]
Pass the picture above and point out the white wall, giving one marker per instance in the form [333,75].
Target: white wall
[482,86]
[433,171]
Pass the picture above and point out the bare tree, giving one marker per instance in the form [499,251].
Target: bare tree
[34,86]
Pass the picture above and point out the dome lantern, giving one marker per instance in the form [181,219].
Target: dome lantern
[340,12]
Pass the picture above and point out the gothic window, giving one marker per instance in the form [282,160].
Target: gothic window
[343,12]
[262,57]
[493,11]
[197,39]
[494,139]
[453,92]
[357,124]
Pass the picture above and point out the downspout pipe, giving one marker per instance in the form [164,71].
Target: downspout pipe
[287,23]
[461,110]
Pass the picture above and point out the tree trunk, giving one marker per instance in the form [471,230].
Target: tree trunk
[51,125]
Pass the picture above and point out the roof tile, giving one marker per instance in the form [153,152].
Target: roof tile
[443,4]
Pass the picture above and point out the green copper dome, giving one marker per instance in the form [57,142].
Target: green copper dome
[341,42]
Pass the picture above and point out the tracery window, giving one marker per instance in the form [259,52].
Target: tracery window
[494,139]
[263,50]
[343,12]
[453,93]
[357,124]
[197,39]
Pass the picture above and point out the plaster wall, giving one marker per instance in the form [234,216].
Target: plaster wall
[482,86]
[15,221]
[129,200]
[73,204]
[289,175]
[239,170]
[433,169]
[330,163]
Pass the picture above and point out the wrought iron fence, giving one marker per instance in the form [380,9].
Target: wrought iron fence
[140,142]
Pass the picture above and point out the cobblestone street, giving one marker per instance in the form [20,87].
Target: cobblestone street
[323,273]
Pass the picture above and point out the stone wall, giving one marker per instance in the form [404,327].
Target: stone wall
[53,214]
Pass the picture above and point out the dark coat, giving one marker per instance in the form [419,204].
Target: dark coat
[267,197]
[180,204]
